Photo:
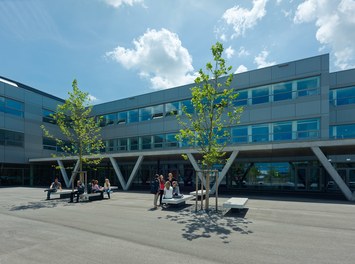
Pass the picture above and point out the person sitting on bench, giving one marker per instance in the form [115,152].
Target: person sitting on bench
[80,190]
[96,187]
[54,187]
[107,187]
[168,191]
[176,190]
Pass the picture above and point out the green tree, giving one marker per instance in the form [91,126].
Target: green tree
[80,133]
[213,101]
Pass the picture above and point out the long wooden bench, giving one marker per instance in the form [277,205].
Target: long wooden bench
[235,203]
[177,201]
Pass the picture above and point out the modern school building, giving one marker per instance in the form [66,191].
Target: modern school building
[296,135]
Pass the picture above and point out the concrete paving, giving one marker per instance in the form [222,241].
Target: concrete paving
[125,229]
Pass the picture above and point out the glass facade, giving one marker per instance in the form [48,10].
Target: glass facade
[342,131]
[11,138]
[12,107]
[342,96]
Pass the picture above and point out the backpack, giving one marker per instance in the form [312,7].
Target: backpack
[154,186]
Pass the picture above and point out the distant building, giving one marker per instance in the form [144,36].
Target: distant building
[296,135]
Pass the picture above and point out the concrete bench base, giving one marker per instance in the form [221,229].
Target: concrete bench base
[177,201]
[235,203]
[200,195]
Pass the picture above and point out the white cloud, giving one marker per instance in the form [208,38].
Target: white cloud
[335,21]
[118,3]
[241,68]
[92,98]
[242,19]
[229,52]
[243,52]
[260,60]
[158,56]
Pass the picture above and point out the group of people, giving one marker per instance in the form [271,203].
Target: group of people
[80,188]
[95,187]
[165,188]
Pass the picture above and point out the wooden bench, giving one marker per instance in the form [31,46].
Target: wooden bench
[235,203]
[177,201]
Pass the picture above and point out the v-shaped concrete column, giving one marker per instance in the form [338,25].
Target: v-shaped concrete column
[125,186]
[334,174]
[67,181]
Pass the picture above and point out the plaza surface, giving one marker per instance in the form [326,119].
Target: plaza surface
[125,229]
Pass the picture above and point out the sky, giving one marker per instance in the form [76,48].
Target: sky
[122,48]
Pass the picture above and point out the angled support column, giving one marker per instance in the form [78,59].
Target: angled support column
[64,173]
[67,181]
[197,168]
[118,173]
[334,174]
[225,169]
[134,172]
[75,171]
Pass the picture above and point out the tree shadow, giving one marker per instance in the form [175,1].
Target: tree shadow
[41,204]
[202,224]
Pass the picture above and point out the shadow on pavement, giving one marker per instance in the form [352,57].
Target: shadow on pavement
[202,224]
[41,204]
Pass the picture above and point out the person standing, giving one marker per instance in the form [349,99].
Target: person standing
[161,188]
[154,189]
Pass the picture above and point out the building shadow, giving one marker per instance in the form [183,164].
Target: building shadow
[201,224]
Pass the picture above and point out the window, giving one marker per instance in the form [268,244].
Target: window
[158,141]
[47,116]
[171,141]
[308,128]
[282,131]
[240,134]
[49,143]
[171,108]
[110,119]
[342,131]
[122,144]
[242,98]
[145,113]
[146,142]
[188,106]
[260,133]
[133,143]
[157,111]
[112,145]
[309,86]
[121,118]
[260,95]
[282,91]
[11,138]
[344,96]
[133,116]
[11,107]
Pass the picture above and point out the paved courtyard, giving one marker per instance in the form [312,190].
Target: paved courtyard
[125,229]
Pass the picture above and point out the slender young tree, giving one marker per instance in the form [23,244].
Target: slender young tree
[80,133]
[213,101]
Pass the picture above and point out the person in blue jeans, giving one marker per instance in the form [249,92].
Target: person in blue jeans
[107,187]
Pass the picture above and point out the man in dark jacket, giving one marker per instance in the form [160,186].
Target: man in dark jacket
[154,189]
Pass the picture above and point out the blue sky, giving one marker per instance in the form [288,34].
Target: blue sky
[122,48]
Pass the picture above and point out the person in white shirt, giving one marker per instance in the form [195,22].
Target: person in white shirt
[168,191]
